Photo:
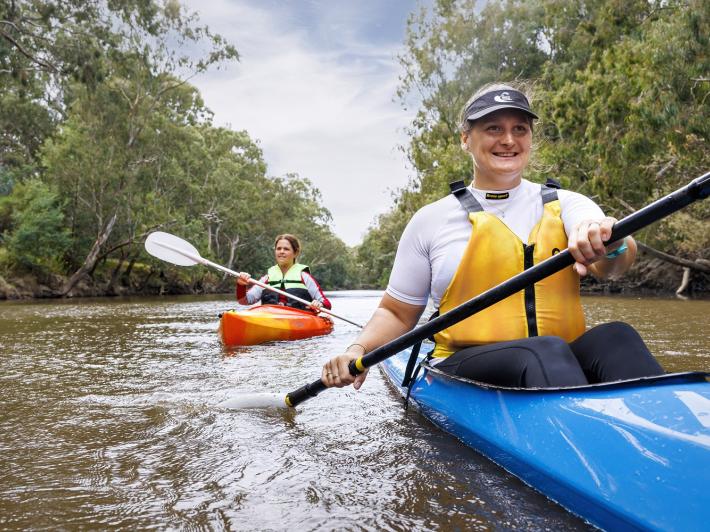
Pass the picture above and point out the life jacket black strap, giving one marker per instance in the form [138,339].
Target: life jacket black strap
[549,190]
[466,199]
[284,282]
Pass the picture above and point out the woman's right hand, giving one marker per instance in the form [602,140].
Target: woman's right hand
[336,372]
[391,319]
[244,279]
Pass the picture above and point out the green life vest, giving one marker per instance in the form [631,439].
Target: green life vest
[291,283]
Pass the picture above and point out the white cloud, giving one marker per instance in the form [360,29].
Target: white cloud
[318,99]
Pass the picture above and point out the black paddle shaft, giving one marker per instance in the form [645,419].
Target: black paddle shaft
[697,189]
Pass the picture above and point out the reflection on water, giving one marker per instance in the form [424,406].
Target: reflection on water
[109,420]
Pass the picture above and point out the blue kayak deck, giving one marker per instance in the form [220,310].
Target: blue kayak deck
[625,455]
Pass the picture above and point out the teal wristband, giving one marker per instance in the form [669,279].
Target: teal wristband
[623,248]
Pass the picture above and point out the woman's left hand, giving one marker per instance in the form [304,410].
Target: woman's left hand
[586,242]
[316,306]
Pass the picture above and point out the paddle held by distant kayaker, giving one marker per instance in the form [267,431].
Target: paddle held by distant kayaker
[286,275]
[486,231]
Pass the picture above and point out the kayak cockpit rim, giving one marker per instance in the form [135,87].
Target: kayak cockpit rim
[668,378]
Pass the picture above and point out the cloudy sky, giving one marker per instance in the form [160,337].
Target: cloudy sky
[316,87]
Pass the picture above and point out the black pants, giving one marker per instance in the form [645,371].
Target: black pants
[605,353]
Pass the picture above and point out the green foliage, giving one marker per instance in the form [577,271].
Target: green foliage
[5,264]
[377,251]
[129,139]
[99,137]
[49,47]
[621,86]
[635,111]
[36,238]
[288,205]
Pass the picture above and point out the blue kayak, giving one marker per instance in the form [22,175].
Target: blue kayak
[626,455]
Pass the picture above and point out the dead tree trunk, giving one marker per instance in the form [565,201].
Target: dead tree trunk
[113,282]
[233,245]
[91,258]
[689,266]
[700,265]
[684,283]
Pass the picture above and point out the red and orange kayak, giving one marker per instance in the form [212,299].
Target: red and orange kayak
[270,323]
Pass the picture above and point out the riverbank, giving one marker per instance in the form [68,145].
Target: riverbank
[647,277]
[652,277]
[141,280]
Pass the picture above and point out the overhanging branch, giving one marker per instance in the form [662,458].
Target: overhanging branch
[700,265]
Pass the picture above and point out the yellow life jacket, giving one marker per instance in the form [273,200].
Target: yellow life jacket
[552,307]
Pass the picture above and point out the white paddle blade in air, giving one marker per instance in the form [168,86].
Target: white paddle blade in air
[171,248]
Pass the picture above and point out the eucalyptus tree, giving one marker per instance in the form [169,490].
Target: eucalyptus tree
[97,115]
[122,162]
[232,192]
[632,118]
[629,116]
[39,239]
[302,213]
[112,75]
[46,46]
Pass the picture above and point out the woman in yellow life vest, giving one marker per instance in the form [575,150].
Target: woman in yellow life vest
[286,275]
[488,230]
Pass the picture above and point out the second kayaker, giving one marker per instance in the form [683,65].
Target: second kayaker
[489,230]
[286,275]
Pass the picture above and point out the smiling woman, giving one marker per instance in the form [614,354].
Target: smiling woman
[488,232]
[498,135]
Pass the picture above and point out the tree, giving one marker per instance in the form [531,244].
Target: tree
[35,238]
[98,121]
[47,47]
[106,73]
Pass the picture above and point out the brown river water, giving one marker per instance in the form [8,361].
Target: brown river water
[109,421]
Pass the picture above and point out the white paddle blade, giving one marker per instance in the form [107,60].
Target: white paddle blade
[254,400]
[171,248]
